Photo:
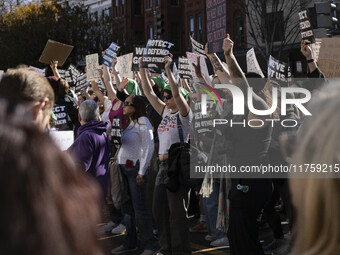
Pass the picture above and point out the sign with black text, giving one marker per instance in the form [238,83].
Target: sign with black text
[306,27]
[155,52]
[197,48]
[81,83]
[116,131]
[184,69]
[216,24]
[138,52]
[278,70]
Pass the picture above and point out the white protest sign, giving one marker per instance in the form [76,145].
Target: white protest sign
[329,57]
[278,70]
[252,64]
[110,53]
[124,65]
[193,59]
[92,67]
[64,139]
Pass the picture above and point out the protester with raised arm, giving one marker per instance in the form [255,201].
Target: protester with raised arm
[249,147]
[168,208]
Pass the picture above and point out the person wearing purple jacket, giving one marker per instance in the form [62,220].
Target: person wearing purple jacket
[91,149]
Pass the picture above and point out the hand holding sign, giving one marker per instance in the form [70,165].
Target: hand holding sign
[168,61]
[306,50]
[198,68]
[228,46]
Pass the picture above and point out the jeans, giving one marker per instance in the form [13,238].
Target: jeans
[211,210]
[170,216]
[136,208]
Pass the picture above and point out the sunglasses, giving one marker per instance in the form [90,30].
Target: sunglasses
[128,104]
[168,97]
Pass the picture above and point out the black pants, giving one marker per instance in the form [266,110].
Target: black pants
[245,208]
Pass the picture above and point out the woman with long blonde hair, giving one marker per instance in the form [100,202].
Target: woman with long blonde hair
[317,200]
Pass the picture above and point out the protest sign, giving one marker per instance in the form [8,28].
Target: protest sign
[252,64]
[197,48]
[74,73]
[124,65]
[116,131]
[216,24]
[316,48]
[278,70]
[55,51]
[138,52]
[175,73]
[155,52]
[164,77]
[184,69]
[81,83]
[92,67]
[101,86]
[64,139]
[329,57]
[306,27]
[61,73]
[41,71]
[193,59]
[110,53]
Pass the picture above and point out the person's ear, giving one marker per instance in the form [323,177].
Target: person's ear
[40,106]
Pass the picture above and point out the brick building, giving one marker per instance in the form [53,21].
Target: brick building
[133,22]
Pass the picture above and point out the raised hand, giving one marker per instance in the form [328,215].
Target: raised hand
[167,61]
[123,84]
[198,68]
[228,46]
[306,50]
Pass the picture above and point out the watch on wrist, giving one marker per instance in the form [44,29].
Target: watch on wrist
[310,60]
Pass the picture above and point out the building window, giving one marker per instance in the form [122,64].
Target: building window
[149,5]
[116,9]
[275,24]
[138,7]
[157,3]
[174,2]
[200,29]
[191,27]
[238,30]
[122,7]
[150,32]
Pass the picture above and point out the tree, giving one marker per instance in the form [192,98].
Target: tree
[273,24]
[25,29]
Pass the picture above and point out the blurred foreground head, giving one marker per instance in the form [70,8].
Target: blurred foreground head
[47,205]
[316,200]
[26,86]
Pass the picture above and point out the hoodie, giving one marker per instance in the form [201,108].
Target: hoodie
[92,152]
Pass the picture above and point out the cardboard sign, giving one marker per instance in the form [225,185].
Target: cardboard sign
[92,67]
[184,69]
[329,57]
[116,131]
[193,59]
[110,53]
[216,24]
[316,48]
[38,70]
[55,51]
[138,52]
[306,27]
[252,64]
[155,52]
[278,70]
[124,65]
[81,83]
[64,139]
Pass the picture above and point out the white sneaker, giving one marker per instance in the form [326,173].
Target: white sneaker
[119,229]
[148,252]
[220,242]
[209,238]
[106,228]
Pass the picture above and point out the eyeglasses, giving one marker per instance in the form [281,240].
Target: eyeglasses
[128,104]
[168,97]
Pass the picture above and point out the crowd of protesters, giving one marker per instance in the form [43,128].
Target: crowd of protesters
[122,159]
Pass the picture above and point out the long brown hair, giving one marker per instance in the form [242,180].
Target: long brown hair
[140,107]
[48,206]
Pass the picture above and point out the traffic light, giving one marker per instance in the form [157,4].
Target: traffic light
[159,24]
[326,15]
